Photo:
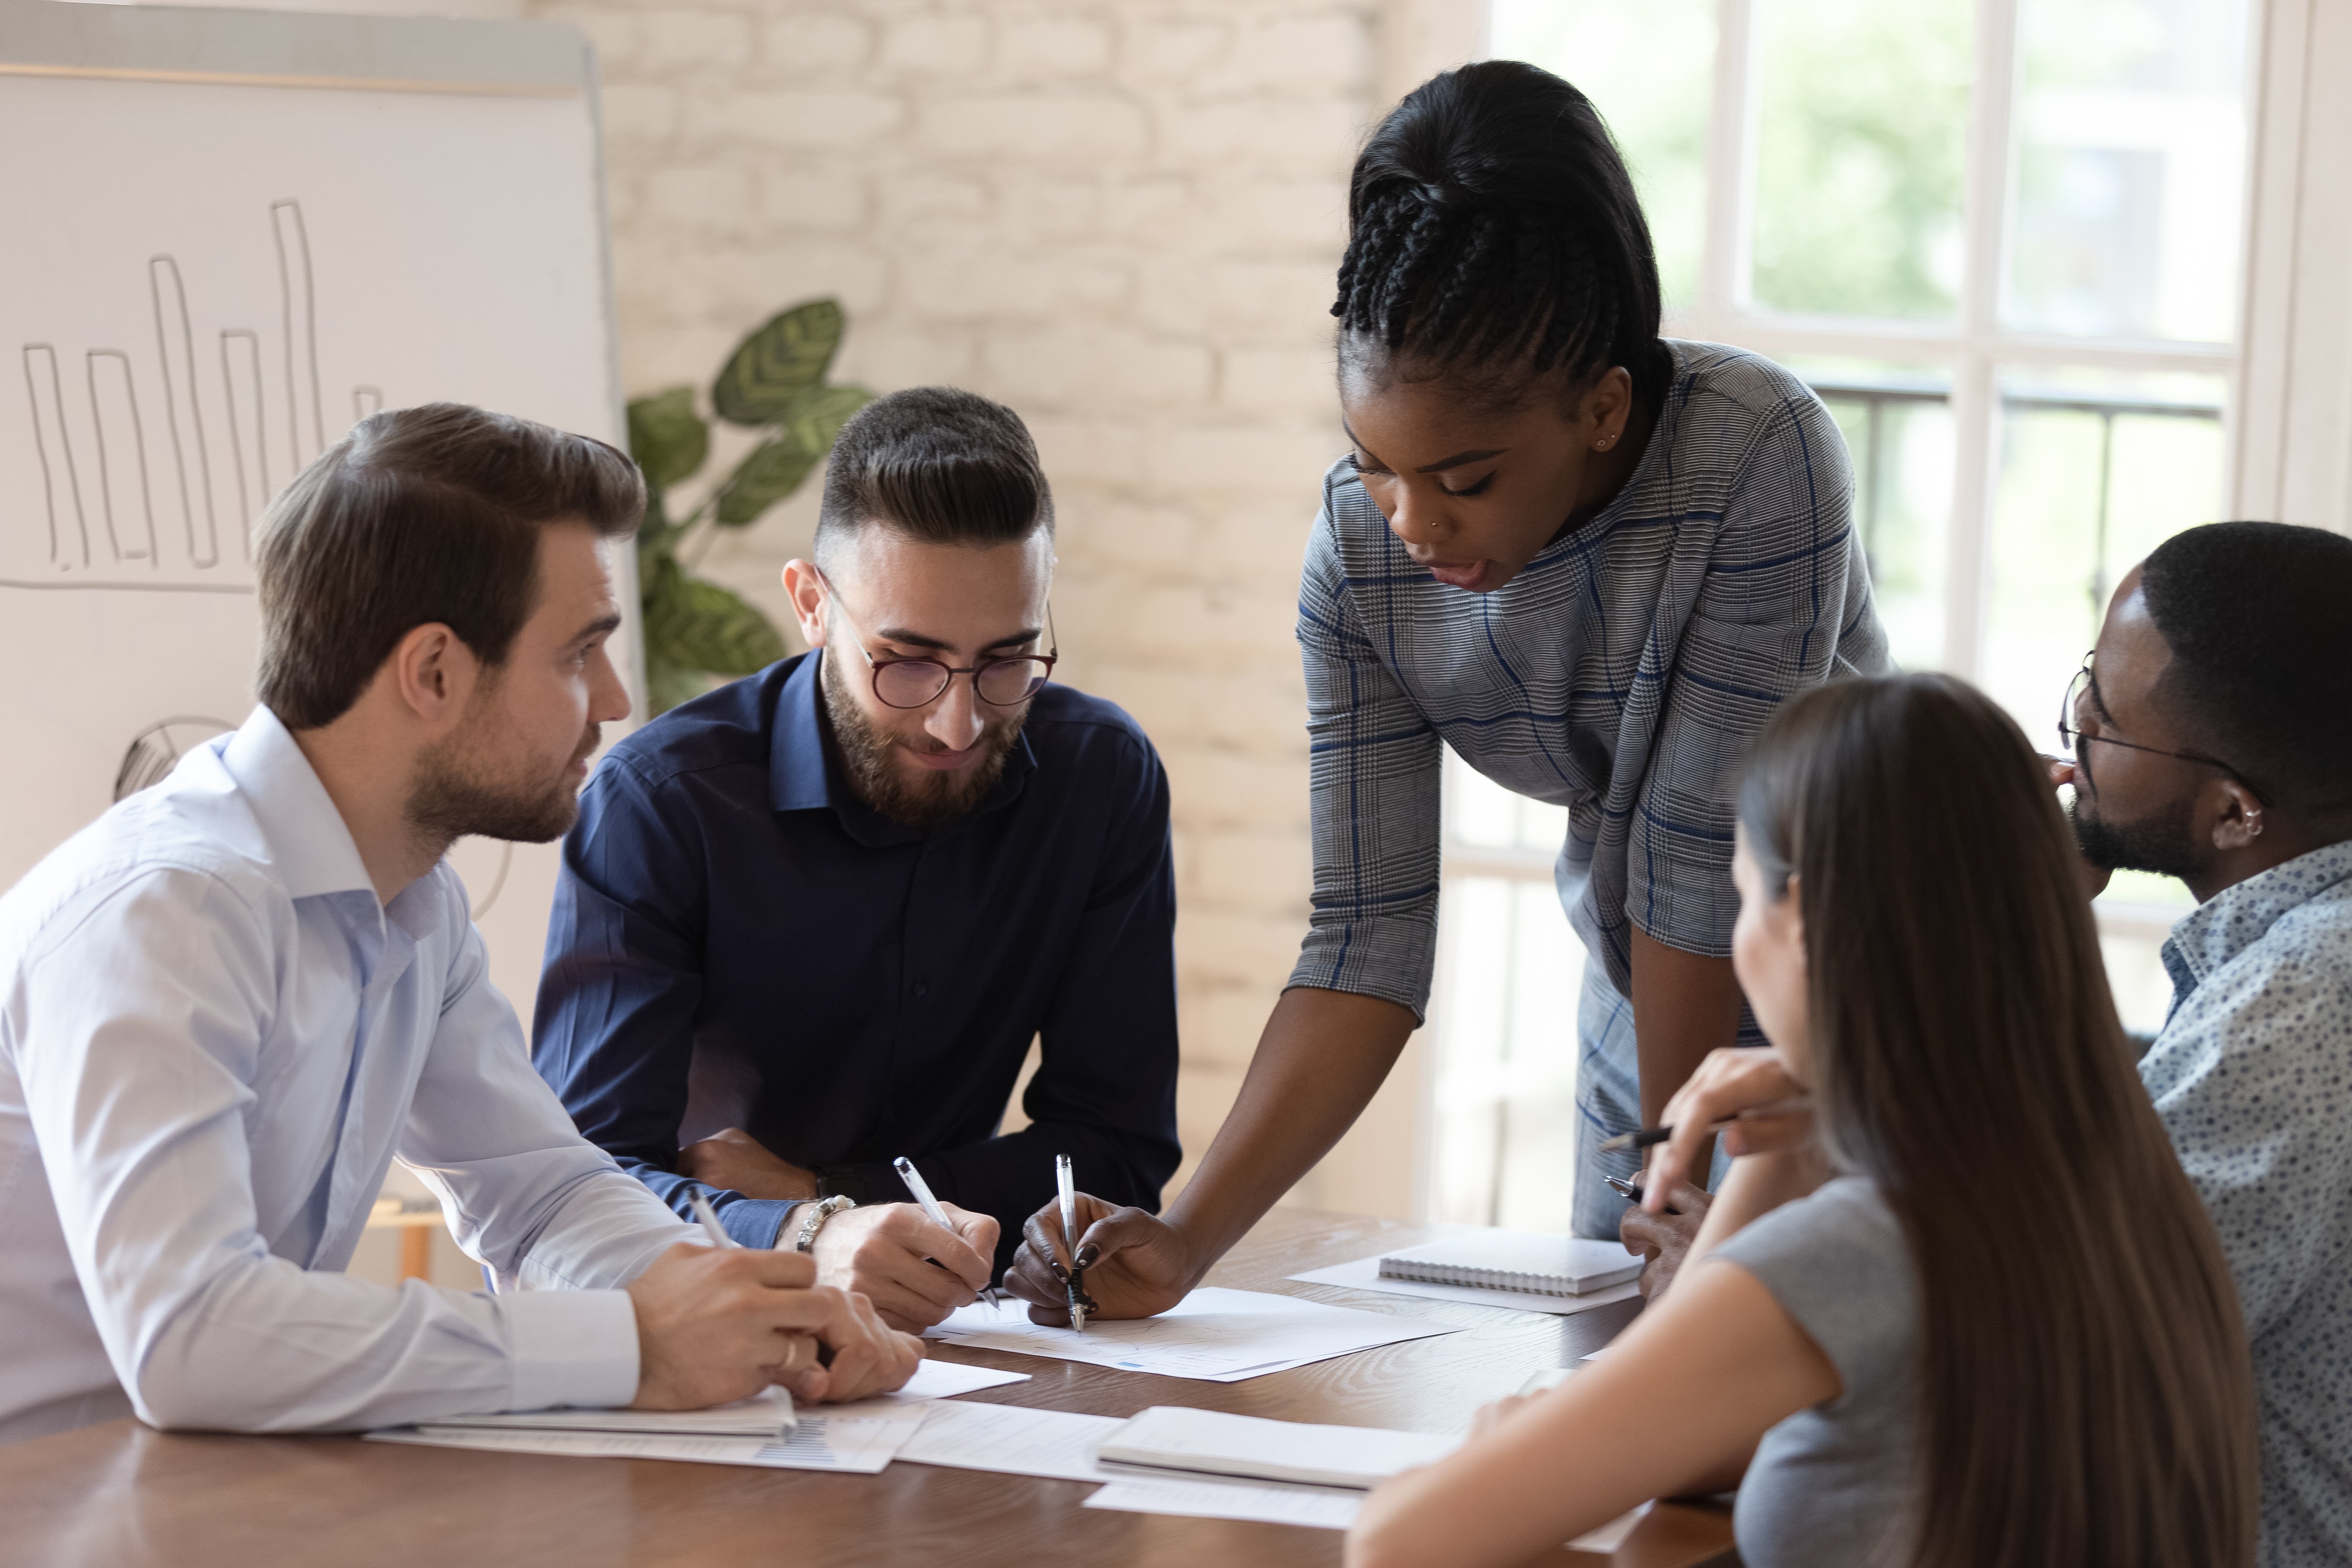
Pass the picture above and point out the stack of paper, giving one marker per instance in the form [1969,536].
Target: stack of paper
[1250,1447]
[762,1431]
[1214,1334]
[861,1443]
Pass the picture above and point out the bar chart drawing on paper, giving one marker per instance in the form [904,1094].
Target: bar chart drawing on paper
[146,466]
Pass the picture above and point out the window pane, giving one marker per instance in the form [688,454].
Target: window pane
[1897,424]
[2097,470]
[2130,173]
[1482,814]
[1861,126]
[1649,71]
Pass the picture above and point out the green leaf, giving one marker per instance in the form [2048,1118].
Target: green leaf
[667,436]
[788,354]
[700,626]
[778,467]
[816,416]
[668,685]
[773,470]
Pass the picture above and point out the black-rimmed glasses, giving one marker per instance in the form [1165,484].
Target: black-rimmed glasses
[1004,682]
[2071,735]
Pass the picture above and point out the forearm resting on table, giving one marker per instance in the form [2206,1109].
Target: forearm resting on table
[1685,1006]
[1323,1055]
[1675,1407]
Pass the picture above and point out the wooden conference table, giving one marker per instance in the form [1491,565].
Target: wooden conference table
[119,1495]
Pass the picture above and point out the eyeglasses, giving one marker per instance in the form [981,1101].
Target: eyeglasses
[1001,682]
[2070,734]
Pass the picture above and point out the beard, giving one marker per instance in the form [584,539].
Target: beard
[472,784]
[877,777]
[2159,842]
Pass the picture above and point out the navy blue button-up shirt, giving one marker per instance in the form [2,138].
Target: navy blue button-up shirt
[739,940]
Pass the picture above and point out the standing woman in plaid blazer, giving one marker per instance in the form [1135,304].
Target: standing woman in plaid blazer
[1590,560]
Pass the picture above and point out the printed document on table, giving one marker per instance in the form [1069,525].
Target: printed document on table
[765,1415]
[861,1444]
[1364,1273]
[943,1379]
[1318,1508]
[1213,1334]
[1014,1440]
[1250,1447]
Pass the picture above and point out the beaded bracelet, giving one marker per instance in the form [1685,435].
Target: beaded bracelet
[814,1217]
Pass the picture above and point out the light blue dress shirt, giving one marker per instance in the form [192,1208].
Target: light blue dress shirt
[2252,1075]
[213,1043]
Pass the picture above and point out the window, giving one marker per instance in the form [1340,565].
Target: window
[2002,240]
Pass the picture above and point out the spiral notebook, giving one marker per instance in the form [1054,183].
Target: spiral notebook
[1523,1261]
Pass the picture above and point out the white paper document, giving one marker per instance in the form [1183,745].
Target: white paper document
[1609,1536]
[767,1415]
[861,1444]
[1014,1440]
[1364,1273]
[1318,1508]
[945,1380]
[1214,1334]
[1250,1447]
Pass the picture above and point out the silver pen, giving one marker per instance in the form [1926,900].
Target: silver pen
[707,1217]
[1066,1186]
[936,1214]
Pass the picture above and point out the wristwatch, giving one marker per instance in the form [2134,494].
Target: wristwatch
[814,1214]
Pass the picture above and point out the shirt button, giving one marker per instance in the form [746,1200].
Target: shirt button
[918,988]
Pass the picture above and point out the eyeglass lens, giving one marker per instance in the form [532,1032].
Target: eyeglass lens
[913,682]
[2067,720]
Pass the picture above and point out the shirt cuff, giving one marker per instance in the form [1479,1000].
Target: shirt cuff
[571,1347]
[755,1223]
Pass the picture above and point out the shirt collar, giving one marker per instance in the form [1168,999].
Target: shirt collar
[802,776]
[308,838]
[2233,920]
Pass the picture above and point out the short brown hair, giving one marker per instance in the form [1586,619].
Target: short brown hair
[419,515]
[939,465]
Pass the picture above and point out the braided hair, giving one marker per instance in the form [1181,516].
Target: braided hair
[1494,237]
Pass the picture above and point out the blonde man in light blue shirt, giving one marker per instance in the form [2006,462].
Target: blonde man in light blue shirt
[230,1003]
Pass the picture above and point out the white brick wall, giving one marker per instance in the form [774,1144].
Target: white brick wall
[1121,218]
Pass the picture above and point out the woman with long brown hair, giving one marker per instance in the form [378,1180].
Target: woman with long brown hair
[1966,1310]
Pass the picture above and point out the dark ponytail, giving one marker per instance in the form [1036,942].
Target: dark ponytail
[1493,235]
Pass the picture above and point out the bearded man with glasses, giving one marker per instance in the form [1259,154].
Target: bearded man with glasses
[812,921]
[2209,737]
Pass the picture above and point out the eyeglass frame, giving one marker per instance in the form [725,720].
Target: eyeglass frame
[874,667]
[2071,737]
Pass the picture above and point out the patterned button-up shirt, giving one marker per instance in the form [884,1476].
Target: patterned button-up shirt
[1624,675]
[2252,1075]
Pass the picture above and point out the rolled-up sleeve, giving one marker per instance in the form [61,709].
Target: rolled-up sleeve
[1374,765]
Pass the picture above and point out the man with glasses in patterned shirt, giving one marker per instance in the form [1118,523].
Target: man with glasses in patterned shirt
[812,921]
[2210,738]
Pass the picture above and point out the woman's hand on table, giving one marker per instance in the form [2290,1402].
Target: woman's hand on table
[1132,1264]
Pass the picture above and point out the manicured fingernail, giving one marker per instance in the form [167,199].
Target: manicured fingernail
[1086,1256]
[1055,1265]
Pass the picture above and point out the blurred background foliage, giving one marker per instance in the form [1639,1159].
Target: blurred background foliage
[774,384]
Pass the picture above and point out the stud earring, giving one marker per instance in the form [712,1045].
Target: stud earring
[1604,443]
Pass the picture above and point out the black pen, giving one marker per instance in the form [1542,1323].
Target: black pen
[1650,1135]
[1630,1190]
